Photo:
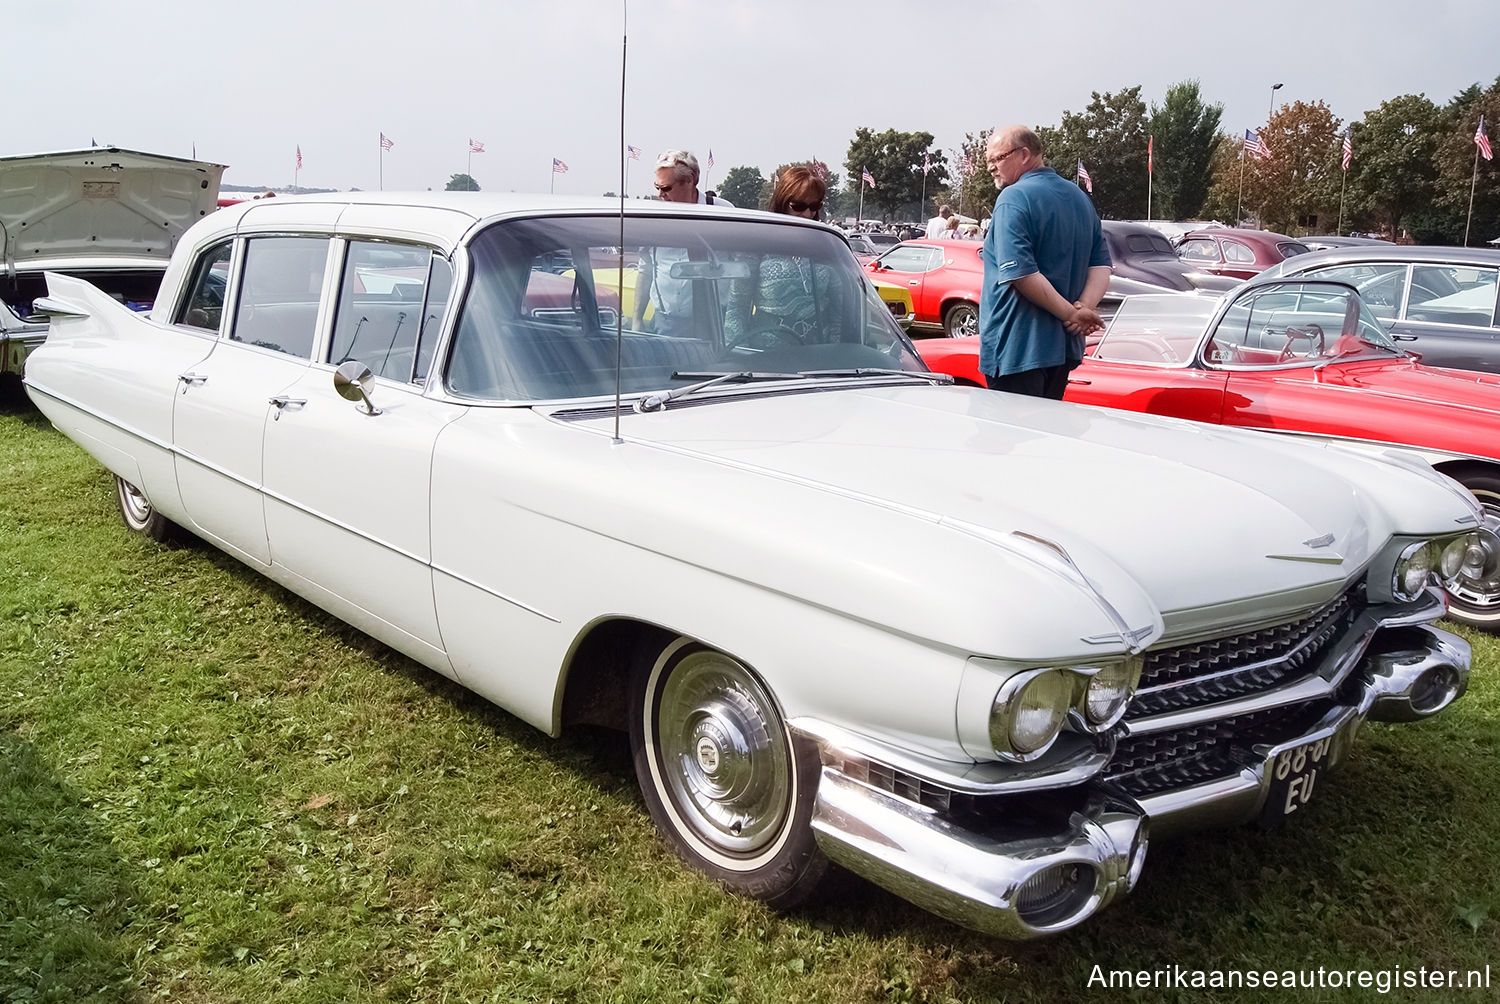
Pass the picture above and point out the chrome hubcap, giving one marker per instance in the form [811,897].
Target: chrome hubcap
[1478,582]
[724,753]
[137,508]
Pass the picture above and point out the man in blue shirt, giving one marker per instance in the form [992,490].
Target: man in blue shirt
[1045,270]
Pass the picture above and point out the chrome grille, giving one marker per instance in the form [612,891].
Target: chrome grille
[1204,673]
[1161,761]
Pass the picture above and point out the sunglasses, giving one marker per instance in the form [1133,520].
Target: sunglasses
[805,207]
[665,189]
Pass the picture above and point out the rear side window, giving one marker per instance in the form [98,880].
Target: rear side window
[1380,286]
[204,307]
[278,305]
[1290,249]
[1238,253]
[912,259]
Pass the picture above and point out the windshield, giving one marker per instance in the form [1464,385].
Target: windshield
[1297,323]
[1287,323]
[699,296]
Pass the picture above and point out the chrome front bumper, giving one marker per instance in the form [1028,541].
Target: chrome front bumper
[1017,883]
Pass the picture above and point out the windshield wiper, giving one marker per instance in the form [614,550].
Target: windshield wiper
[864,371]
[656,402]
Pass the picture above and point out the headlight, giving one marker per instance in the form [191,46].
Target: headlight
[1108,692]
[1413,570]
[1028,712]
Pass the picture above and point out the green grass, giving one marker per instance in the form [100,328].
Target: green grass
[211,791]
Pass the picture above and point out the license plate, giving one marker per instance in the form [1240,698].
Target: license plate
[1294,776]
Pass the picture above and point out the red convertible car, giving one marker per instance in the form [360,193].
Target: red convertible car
[943,277]
[1305,358]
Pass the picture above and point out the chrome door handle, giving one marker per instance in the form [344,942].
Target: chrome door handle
[192,379]
[282,402]
[914,282]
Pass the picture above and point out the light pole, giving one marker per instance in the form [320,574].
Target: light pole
[1272,110]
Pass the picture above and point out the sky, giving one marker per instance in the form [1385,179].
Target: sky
[756,82]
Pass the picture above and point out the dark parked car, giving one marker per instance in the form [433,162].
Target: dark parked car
[1437,302]
[1241,254]
[1141,254]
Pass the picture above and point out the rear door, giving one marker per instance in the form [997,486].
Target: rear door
[225,400]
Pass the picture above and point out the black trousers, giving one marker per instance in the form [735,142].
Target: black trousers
[1049,381]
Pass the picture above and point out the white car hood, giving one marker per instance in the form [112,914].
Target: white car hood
[99,203]
[1174,506]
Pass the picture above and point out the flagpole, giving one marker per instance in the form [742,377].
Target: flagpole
[381,175]
[1473,181]
[1150,173]
[552,184]
[1239,208]
[1339,229]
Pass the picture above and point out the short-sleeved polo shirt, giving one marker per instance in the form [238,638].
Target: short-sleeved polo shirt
[1042,223]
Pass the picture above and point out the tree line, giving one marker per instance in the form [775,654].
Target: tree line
[1412,166]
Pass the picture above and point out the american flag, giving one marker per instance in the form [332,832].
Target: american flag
[1348,150]
[1083,176]
[1256,145]
[475,146]
[1483,141]
[866,177]
[299,156]
[1150,155]
[926,162]
[386,142]
[633,152]
[965,165]
[558,167]
[710,161]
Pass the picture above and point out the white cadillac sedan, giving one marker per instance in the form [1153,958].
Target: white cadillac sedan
[969,645]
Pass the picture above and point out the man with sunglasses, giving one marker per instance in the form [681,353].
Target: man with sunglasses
[676,180]
[1045,270]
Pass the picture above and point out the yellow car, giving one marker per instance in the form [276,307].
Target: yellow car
[898,299]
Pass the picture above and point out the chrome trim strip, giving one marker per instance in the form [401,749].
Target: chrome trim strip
[450,573]
[134,433]
[1072,760]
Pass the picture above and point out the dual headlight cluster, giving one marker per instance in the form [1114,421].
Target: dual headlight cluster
[1033,707]
[1446,558]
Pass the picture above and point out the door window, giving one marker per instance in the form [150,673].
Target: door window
[911,259]
[1452,294]
[1198,249]
[1380,286]
[383,307]
[278,305]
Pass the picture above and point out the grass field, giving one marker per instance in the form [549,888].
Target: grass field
[211,791]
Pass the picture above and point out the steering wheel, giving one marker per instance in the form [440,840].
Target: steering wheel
[766,335]
[1311,334]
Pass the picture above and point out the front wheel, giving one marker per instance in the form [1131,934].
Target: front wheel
[140,515]
[1474,597]
[961,320]
[723,778]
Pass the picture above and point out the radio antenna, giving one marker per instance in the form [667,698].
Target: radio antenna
[620,248]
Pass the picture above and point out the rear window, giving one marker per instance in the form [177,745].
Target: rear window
[1150,245]
[1289,249]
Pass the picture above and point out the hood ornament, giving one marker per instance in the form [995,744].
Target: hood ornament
[1314,543]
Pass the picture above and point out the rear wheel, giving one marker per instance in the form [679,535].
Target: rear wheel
[723,778]
[140,515]
[1474,599]
[961,320]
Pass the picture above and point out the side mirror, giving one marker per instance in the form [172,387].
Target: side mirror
[352,381]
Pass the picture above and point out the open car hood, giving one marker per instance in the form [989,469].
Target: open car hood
[100,202]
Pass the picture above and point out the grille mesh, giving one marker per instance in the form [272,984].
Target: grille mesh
[1190,676]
